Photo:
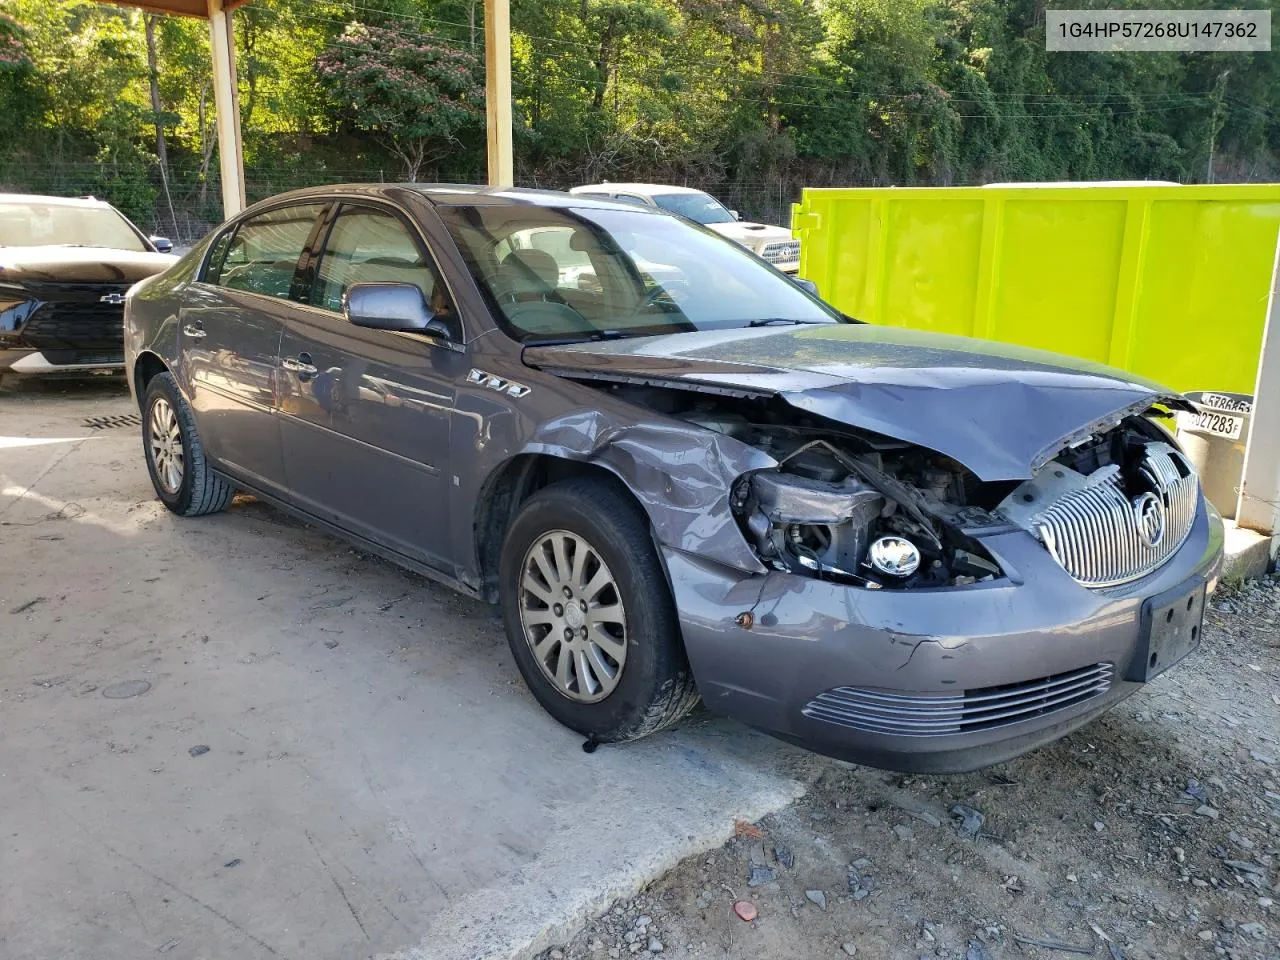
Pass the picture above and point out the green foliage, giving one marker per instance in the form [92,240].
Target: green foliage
[414,94]
[17,70]
[750,98]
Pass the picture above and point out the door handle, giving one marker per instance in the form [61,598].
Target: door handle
[301,365]
[194,330]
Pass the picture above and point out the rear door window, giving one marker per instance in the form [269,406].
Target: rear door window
[261,255]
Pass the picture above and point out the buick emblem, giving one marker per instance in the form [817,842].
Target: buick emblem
[115,299]
[1148,516]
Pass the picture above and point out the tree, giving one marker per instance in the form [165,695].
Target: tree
[751,99]
[17,92]
[414,93]
[157,108]
[613,23]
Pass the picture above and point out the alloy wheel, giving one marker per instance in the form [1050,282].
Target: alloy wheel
[166,445]
[573,618]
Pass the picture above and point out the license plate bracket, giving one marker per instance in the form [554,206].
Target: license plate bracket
[1171,624]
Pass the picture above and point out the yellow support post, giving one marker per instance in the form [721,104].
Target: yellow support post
[226,100]
[497,91]
[1260,485]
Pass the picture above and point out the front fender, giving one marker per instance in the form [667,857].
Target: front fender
[680,473]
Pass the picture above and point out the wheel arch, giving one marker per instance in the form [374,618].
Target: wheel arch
[145,368]
[508,487]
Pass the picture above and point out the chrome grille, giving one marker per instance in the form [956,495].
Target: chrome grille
[782,251]
[1094,532]
[932,715]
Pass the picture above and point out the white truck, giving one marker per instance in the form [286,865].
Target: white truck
[770,243]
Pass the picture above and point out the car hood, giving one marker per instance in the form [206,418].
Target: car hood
[999,409]
[750,234]
[80,264]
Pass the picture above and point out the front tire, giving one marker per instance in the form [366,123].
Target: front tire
[589,616]
[175,456]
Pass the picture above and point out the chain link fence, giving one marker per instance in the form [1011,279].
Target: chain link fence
[192,204]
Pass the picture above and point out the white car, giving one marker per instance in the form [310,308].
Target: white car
[770,243]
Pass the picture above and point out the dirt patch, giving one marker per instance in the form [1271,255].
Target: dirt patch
[1153,833]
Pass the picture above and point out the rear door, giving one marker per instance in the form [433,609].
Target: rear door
[365,413]
[229,338]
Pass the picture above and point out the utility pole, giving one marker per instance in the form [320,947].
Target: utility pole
[1215,124]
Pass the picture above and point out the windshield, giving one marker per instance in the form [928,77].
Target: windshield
[56,224]
[698,207]
[563,274]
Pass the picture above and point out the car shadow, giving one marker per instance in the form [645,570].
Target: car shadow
[67,386]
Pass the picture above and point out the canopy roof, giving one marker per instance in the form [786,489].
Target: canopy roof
[187,8]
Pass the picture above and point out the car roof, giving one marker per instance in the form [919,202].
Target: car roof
[452,195]
[20,198]
[644,189]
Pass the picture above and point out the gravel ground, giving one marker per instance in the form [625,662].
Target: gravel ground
[1154,833]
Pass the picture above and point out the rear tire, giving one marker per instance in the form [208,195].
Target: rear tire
[175,456]
[579,560]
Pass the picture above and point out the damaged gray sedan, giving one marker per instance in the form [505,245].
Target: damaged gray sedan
[680,473]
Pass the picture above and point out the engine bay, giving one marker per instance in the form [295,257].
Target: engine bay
[862,508]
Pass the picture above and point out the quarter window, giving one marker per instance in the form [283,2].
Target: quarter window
[261,255]
[372,246]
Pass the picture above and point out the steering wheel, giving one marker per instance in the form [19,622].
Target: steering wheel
[677,296]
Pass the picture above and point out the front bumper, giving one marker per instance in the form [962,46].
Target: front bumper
[63,327]
[808,638]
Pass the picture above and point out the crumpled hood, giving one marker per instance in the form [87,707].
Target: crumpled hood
[999,409]
[80,264]
[750,234]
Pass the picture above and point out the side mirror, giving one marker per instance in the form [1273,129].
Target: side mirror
[735,214]
[808,286]
[392,306]
[162,244]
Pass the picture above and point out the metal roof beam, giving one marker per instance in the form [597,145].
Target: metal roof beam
[182,8]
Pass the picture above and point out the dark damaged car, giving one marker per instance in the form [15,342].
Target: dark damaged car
[65,266]
[680,473]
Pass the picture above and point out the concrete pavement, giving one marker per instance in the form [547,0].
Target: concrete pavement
[377,781]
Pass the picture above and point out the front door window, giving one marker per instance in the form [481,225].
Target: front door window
[372,246]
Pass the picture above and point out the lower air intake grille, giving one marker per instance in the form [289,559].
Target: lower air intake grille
[70,357]
[934,715]
[77,325]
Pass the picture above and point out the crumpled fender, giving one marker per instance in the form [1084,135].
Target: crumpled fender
[681,475]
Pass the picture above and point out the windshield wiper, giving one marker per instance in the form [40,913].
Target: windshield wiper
[585,338]
[768,320]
